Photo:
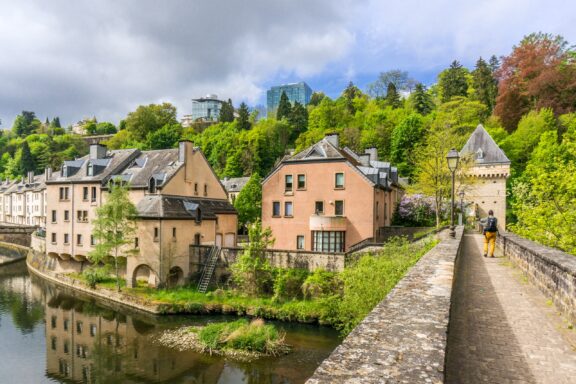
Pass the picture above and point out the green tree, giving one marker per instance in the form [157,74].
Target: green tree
[392,96]
[298,119]
[55,123]
[350,93]
[27,161]
[25,124]
[453,81]
[249,201]
[243,117]
[105,128]
[114,228]
[166,137]
[399,78]
[421,100]
[405,138]
[284,107]
[485,84]
[226,112]
[316,98]
[149,118]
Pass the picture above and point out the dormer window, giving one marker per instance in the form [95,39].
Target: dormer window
[90,171]
[479,153]
[198,215]
[65,171]
[152,185]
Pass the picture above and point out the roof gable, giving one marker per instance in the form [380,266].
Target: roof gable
[484,148]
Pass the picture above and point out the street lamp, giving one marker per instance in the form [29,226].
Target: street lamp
[452,159]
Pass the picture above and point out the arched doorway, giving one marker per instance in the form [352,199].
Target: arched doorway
[175,277]
[143,274]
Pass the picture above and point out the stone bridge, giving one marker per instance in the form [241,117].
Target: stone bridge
[460,318]
[16,234]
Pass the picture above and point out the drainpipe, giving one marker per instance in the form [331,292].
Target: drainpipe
[161,255]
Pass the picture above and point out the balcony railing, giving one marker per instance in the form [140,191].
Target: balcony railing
[328,223]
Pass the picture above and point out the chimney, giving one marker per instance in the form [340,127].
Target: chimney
[97,151]
[364,159]
[30,177]
[48,173]
[185,150]
[332,138]
[373,152]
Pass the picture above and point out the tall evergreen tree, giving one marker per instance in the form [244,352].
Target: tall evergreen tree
[25,123]
[316,98]
[421,100]
[284,107]
[298,119]
[243,117]
[453,81]
[485,85]
[27,163]
[349,94]
[226,112]
[392,96]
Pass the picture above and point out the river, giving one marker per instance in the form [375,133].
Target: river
[52,335]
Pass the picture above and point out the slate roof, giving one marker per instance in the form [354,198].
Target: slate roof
[234,184]
[180,207]
[104,168]
[161,164]
[484,148]
[324,150]
[17,186]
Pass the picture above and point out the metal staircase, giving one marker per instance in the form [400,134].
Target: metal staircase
[208,271]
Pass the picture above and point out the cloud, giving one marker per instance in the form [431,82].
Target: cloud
[78,59]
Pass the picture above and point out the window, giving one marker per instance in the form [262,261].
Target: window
[85,193]
[195,188]
[152,185]
[92,240]
[377,210]
[288,183]
[66,238]
[66,324]
[79,327]
[173,231]
[276,209]
[66,215]
[199,216]
[53,216]
[93,194]
[136,244]
[93,330]
[90,170]
[339,180]
[288,209]
[205,189]
[319,207]
[156,233]
[53,343]
[301,182]
[53,238]
[64,193]
[299,242]
[82,216]
[328,241]
[53,321]
[339,207]
[79,239]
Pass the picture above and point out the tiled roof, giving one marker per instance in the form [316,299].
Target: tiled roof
[178,207]
[484,148]
[160,164]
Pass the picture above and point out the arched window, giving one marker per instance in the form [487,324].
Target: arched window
[152,185]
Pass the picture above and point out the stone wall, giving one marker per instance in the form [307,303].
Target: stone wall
[16,235]
[403,340]
[10,253]
[386,233]
[551,270]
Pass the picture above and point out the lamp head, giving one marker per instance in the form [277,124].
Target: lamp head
[452,158]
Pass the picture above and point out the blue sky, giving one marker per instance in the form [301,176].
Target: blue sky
[77,59]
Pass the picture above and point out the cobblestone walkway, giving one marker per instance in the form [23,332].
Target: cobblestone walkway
[502,329]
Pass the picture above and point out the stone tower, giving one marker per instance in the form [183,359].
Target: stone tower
[490,171]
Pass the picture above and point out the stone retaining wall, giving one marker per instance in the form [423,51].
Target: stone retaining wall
[551,270]
[403,340]
[10,253]
[385,233]
[20,235]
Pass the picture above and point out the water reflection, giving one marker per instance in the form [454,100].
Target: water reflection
[87,342]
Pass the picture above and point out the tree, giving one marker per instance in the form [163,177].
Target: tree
[284,107]
[150,118]
[421,100]
[350,93]
[25,124]
[105,128]
[249,201]
[539,73]
[166,137]
[55,123]
[298,119]
[453,81]
[243,117]
[405,138]
[114,227]
[379,88]
[392,96]
[27,162]
[226,112]
[484,84]
[316,98]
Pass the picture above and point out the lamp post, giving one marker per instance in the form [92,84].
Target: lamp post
[452,159]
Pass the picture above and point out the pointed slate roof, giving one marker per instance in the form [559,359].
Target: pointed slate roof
[484,148]
[323,150]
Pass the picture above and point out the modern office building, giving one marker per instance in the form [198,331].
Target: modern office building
[206,108]
[299,92]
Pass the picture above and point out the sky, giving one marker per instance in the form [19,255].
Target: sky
[78,58]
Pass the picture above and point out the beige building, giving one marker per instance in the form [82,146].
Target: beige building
[23,201]
[233,186]
[327,199]
[179,199]
[491,168]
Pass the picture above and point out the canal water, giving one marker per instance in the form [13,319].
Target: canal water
[52,335]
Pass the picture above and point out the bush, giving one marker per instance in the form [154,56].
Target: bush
[321,283]
[288,283]
[94,275]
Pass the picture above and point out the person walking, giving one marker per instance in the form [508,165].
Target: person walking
[490,231]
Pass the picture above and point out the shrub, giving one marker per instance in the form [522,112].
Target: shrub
[321,283]
[288,283]
[94,275]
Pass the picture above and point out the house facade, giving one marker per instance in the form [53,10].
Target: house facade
[490,170]
[326,198]
[233,186]
[23,201]
[179,200]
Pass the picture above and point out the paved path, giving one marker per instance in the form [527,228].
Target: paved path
[502,329]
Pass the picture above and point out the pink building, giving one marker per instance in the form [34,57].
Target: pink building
[326,198]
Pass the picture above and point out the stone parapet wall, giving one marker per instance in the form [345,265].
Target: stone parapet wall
[551,270]
[386,233]
[403,340]
[10,253]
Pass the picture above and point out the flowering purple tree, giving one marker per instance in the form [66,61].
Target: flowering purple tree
[415,210]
